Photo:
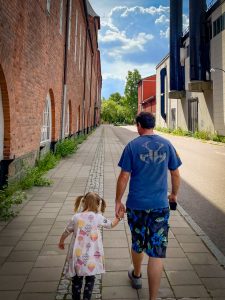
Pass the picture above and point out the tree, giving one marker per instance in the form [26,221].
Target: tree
[116,97]
[131,91]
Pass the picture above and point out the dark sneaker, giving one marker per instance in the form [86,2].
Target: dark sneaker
[136,283]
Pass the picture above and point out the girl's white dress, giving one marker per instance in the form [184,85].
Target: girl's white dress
[86,255]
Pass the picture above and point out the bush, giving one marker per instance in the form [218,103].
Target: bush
[13,194]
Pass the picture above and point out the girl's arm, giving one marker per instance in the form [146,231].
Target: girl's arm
[117,219]
[115,222]
[61,244]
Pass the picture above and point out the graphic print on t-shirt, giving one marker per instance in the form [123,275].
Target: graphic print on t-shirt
[156,153]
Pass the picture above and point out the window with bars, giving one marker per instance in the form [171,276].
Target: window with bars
[219,25]
[61,17]
[47,122]
[75,42]
[1,126]
[48,6]
[67,121]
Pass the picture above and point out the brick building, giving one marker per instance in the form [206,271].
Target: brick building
[147,94]
[50,77]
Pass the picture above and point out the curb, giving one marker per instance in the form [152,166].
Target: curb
[212,247]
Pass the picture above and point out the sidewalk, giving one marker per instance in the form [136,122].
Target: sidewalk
[32,265]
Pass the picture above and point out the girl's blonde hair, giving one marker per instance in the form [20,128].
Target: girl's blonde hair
[91,202]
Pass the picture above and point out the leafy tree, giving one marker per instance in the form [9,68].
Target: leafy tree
[131,91]
[116,97]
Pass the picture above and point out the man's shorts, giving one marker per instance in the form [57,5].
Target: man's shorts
[149,230]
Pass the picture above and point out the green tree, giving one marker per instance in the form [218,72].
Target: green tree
[116,97]
[131,91]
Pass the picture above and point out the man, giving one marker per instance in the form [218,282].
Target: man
[146,160]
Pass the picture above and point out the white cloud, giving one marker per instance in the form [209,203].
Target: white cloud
[127,45]
[152,10]
[119,69]
[162,20]
[165,34]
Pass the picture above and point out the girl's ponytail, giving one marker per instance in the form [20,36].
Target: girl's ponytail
[77,203]
[103,205]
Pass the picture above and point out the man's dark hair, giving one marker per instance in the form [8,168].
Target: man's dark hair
[146,120]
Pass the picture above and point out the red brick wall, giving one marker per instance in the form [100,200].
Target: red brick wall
[146,90]
[32,64]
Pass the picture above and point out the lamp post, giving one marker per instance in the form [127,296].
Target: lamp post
[214,70]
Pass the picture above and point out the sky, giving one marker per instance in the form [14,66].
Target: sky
[134,34]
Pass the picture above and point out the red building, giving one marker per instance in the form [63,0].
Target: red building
[147,94]
[50,77]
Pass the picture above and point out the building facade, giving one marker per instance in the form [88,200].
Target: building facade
[147,94]
[191,79]
[50,77]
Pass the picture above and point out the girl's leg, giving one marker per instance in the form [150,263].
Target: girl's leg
[88,288]
[77,282]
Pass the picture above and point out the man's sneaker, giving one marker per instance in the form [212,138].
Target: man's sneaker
[136,283]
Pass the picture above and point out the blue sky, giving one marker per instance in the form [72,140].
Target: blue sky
[133,35]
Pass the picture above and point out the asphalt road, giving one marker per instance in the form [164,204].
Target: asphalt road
[202,192]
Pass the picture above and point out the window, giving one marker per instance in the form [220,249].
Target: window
[80,48]
[75,41]
[61,17]
[1,126]
[219,25]
[48,6]
[83,60]
[69,30]
[67,123]
[47,122]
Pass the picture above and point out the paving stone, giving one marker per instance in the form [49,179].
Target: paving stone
[183,278]
[23,256]
[34,236]
[118,264]
[45,274]
[176,264]
[43,221]
[53,250]
[37,296]
[9,295]
[190,238]
[190,291]
[50,261]
[115,243]
[29,245]
[163,293]
[118,292]
[11,283]
[115,279]
[214,283]
[114,253]
[36,287]
[5,251]
[15,268]
[39,228]
[9,241]
[174,253]
[194,247]
[209,271]
[12,232]
[201,258]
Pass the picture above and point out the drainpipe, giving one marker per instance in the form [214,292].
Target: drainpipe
[84,90]
[176,80]
[90,89]
[197,16]
[163,74]
[65,70]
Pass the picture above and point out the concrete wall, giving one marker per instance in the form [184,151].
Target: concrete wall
[218,77]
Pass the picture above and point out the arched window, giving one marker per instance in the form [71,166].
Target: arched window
[1,126]
[47,122]
[67,121]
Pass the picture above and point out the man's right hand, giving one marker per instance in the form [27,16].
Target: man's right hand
[118,207]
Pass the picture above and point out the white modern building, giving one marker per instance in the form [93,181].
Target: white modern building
[190,91]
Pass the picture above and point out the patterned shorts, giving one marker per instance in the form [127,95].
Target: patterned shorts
[149,230]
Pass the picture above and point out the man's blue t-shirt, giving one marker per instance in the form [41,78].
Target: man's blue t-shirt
[148,158]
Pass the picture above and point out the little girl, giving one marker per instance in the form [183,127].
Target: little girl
[86,256]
